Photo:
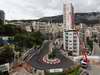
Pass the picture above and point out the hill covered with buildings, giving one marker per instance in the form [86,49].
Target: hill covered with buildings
[86,18]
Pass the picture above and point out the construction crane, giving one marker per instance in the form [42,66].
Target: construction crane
[84,51]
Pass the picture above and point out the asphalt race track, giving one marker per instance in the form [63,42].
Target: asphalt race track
[36,60]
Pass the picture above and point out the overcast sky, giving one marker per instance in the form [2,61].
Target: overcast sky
[31,9]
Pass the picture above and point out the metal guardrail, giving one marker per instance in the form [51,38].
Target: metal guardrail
[26,53]
[31,52]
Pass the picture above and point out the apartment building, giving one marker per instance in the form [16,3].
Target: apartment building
[72,42]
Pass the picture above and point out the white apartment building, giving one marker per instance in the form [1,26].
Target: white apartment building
[72,42]
[70,35]
[28,28]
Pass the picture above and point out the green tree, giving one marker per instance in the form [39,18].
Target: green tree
[90,44]
[28,40]
[53,54]
[1,73]
[10,29]
[7,30]
[2,30]
[37,37]
[6,54]
[1,22]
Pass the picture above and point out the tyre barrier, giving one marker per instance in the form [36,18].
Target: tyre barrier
[51,61]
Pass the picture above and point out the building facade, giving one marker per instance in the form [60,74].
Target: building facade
[47,27]
[2,16]
[72,42]
[70,34]
[41,26]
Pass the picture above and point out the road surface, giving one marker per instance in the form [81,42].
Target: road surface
[36,60]
[94,69]
[96,49]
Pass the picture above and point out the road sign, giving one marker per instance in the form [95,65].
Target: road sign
[56,70]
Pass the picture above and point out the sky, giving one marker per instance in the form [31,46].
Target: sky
[33,9]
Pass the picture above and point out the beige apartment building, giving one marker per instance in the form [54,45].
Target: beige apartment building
[47,27]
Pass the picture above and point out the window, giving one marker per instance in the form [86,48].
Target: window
[74,44]
[74,36]
[66,47]
[74,40]
[70,44]
[66,33]
[74,51]
[66,36]
[70,37]
[70,34]
[66,43]
[70,41]
[75,33]
[70,47]
[74,47]
[66,40]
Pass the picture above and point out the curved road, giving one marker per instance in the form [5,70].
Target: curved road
[36,60]
[96,49]
[93,69]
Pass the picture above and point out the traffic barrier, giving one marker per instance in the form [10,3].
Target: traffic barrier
[51,61]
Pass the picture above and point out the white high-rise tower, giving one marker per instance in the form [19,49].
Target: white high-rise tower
[68,15]
[70,35]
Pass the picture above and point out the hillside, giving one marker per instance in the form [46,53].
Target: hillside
[87,18]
